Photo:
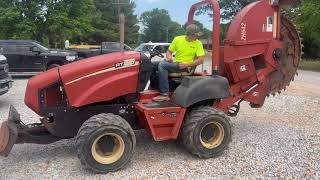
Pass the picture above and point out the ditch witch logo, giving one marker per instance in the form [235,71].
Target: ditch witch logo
[126,63]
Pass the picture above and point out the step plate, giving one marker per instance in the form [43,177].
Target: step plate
[159,105]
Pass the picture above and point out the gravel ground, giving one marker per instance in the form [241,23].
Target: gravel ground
[280,140]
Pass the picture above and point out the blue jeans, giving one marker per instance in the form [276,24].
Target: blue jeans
[164,68]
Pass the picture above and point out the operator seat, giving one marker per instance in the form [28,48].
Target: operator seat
[176,78]
[190,72]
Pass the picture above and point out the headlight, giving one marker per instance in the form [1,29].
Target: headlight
[2,58]
[6,68]
[71,58]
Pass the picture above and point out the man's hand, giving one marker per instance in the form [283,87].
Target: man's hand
[169,57]
[196,62]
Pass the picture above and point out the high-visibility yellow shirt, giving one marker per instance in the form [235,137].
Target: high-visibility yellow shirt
[186,51]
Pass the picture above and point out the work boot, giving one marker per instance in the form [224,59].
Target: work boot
[161,98]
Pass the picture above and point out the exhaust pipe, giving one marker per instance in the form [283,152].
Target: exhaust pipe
[122,26]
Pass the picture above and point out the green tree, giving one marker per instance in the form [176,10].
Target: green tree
[70,19]
[229,8]
[223,32]
[48,21]
[174,30]
[106,22]
[158,26]
[307,19]
[67,19]
[206,32]
[13,23]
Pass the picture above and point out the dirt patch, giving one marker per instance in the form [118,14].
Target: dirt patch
[303,89]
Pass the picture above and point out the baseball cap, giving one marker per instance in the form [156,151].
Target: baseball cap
[193,29]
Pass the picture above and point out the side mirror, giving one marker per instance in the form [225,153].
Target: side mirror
[35,49]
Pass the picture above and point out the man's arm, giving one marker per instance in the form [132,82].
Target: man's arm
[169,56]
[172,48]
[196,62]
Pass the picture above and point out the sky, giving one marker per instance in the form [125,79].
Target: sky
[178,10]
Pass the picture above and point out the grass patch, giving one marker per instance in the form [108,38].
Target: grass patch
[310,65]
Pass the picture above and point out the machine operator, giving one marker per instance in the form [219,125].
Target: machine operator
[189,54]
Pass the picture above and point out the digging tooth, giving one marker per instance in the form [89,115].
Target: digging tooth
[283,74]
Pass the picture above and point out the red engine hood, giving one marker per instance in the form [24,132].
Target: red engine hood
[35,84]
[91,65]
[83,83]
[101,78]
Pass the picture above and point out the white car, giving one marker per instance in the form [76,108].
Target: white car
[161,47]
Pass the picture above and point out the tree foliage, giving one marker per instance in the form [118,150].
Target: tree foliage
[106,22]
[307,19]
[54,21]
[206,32]
[49,21]
[158,25]
[229,8]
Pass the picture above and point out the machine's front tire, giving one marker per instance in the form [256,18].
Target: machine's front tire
[105,143]
[206,132]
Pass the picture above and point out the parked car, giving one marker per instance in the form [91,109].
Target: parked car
[5,78]
[31,56]
[94,50]
[161,47]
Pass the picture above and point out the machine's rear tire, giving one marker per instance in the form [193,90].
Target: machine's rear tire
[105,143]
[206,132]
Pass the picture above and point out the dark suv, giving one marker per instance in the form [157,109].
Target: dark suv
[5,79]
[31,56]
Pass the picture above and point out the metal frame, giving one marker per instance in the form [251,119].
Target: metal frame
[215,32]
